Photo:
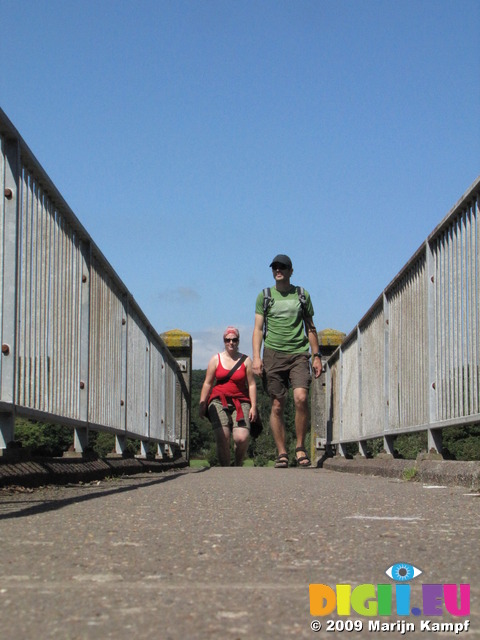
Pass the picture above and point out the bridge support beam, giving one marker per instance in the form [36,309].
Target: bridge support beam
[342,450]
[143,450]
[388,445]
[362,448]
[7,429]
[80,439]
[120,443]
[435,444]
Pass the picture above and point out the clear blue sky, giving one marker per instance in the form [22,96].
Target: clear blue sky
[195,139]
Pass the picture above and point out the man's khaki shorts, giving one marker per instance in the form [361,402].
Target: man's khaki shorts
[281,370]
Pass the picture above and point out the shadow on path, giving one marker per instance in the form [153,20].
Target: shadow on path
[43,506]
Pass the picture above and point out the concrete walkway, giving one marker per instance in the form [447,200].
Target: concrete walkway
[225,553]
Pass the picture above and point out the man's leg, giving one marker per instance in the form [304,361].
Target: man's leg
[300,397]
[277,423]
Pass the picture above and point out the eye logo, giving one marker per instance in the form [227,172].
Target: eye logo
[403,572]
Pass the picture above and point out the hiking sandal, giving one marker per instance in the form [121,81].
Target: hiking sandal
[303,461]
[282,461]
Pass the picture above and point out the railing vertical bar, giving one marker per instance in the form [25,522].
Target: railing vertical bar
[444,324]
[465,312]
[451,344]
[469,307]
[459,306]
[439,328]
[360,378]
[431,285]
[386,363]
[476,305]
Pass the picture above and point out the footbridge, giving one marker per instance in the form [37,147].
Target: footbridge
[227,552]
[77,349]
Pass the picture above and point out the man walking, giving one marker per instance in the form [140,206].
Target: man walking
[283,321]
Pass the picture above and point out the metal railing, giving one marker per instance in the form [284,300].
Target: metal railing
[413,362]
[76,348]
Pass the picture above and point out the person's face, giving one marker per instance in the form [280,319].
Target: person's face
[281,272]
[231,343]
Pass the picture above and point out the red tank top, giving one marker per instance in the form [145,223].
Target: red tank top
[234,389]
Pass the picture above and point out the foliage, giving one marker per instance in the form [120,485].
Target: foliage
[103,443]
[459,443]
[43,439]
[53,440]
[462,443]
[409,445]
[201,432]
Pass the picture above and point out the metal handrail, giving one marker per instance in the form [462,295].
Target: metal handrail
[412,363]
[77,348]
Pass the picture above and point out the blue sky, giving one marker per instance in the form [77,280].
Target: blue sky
[194,140]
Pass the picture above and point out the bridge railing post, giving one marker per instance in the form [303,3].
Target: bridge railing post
[329,340]
[9,181]
[179,344]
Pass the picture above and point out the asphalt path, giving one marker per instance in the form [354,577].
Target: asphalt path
[230,553]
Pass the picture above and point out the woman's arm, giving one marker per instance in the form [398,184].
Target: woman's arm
[207,385]
[252,389]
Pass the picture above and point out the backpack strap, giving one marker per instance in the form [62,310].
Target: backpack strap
[267,302]
[302,299]
[303,303]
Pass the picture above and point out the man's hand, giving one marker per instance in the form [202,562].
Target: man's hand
[257,366]
[317,366]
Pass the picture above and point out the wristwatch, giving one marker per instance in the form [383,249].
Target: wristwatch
[316,355]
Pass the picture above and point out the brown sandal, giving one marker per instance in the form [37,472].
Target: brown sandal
[282,461]
[303,461]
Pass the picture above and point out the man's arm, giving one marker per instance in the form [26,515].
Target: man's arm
[257,340]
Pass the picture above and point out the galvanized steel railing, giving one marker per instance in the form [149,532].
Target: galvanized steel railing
[76,348]
[413,361]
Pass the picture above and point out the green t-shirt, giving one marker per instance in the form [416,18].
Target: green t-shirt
[285,329]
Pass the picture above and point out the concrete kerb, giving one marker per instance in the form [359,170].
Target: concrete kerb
[423,469]
[44,471]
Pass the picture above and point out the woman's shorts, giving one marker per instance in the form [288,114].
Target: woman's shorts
[227,418]
[281,370]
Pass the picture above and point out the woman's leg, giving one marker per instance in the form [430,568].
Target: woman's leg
[222,435]
[241,440]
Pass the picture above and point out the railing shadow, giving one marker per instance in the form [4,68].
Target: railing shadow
[56,504]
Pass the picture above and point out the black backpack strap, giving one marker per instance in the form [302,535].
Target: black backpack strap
[302,298]
[303,304]
[267,301]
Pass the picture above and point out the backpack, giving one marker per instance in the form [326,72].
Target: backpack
[268,301]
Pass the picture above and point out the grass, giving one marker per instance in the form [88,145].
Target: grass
[199,464]
[409,473]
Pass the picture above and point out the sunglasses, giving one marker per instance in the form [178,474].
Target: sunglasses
[234,340]
[277,266]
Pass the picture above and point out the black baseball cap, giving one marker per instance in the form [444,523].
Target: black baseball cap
[282,259]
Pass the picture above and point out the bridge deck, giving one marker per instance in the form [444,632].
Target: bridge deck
[222,553]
